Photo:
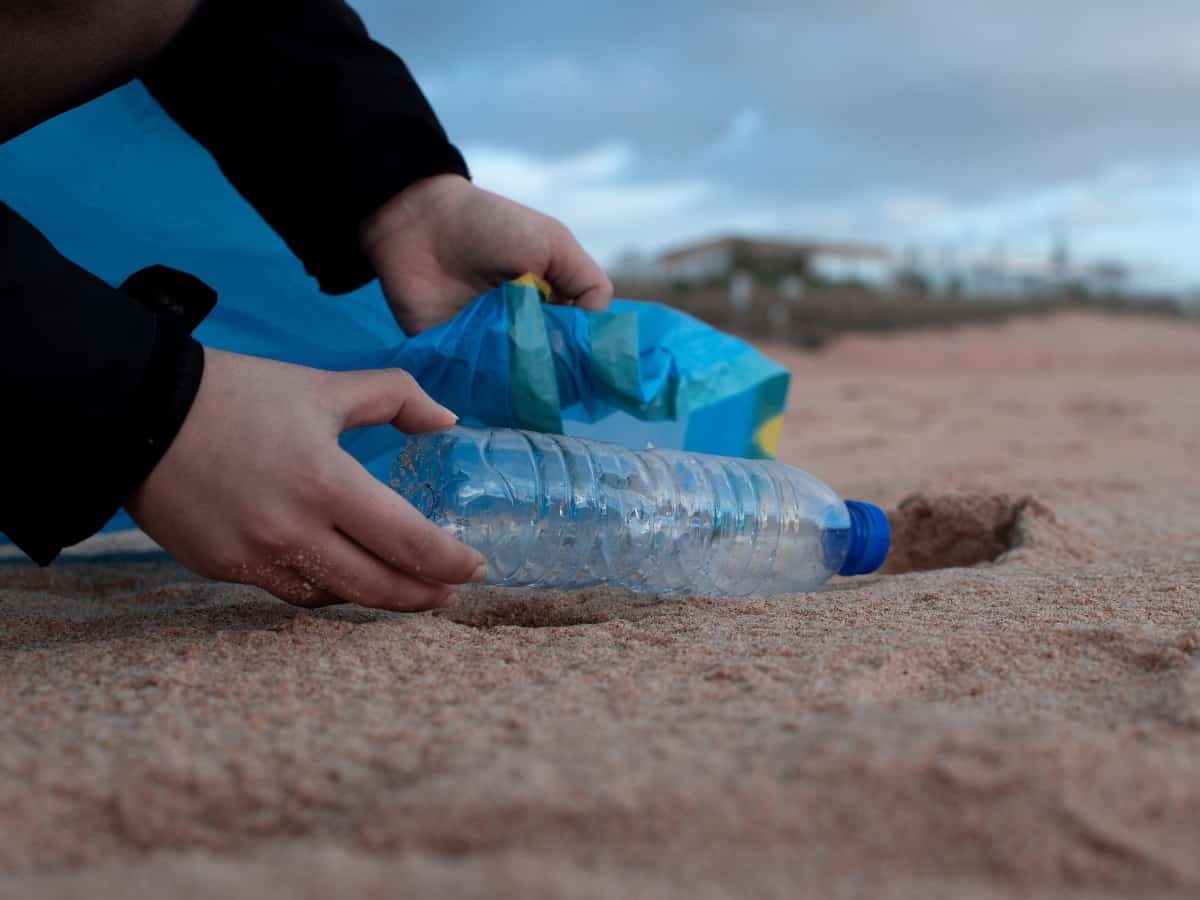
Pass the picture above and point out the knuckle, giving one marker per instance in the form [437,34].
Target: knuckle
[402,379]
[417,548]
[271,533]
[561,230]
[320,483]
[329,393]
[551,232]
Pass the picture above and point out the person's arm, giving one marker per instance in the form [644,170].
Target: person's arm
[327,135]
[231,463]
[316,124]
[95,387]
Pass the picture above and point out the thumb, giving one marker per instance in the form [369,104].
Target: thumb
[383,396]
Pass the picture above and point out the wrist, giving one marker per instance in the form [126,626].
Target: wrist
[416,205]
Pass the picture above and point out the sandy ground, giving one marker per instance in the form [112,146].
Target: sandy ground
[1028,726]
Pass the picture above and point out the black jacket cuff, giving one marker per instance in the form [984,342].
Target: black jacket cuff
[96,383]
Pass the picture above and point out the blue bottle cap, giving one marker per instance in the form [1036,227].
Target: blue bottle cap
[870,538]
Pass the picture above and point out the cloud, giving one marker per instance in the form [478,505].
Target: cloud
[745,128]
[1141,214]
[872,117]
[590,193]
[907,212]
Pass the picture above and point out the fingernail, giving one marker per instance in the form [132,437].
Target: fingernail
[480,573]
[451,413]
[449,600]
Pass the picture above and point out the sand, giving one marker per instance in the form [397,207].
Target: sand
[1012,710]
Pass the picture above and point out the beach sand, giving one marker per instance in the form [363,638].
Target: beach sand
[1012,710]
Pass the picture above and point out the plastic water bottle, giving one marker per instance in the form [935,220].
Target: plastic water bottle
[559,512]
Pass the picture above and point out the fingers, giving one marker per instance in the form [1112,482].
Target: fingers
[382,396]
[381,521]
[340,568]
[573,273]
[375,549]
[294,589]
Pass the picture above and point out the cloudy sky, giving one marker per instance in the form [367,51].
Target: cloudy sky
[958,128]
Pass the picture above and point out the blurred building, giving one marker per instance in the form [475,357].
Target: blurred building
[830,263]
[634,265]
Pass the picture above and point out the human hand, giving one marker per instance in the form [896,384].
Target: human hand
[442,241]
[255,489]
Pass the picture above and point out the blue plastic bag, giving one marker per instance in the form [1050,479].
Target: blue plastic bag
[117,185]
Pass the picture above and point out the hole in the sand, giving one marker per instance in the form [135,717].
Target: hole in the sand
[944,532]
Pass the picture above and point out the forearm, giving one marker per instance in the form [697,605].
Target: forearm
[55,55]
[96,385]
[316,124]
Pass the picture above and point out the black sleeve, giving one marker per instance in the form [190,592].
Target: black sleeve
[95,385]
[316,124]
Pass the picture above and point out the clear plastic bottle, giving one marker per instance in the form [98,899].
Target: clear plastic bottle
[554,511]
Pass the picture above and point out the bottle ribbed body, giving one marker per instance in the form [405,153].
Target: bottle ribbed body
[549,510]
[554,511]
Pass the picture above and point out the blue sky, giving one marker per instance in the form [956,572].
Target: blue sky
[965,128]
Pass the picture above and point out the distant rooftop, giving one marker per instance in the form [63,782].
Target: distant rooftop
[773,248]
